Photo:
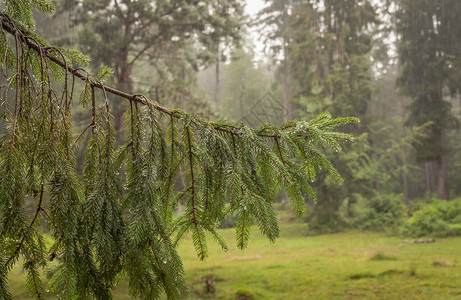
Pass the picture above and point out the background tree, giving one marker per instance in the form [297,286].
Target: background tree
[428,54]
[330,51]
[172,37]
[246,83]
[274,20]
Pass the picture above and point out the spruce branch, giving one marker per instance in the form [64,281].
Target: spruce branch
[8,25]
[101,231]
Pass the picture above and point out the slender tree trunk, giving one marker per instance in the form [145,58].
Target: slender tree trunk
[428,179]
[241,106]
[287,95]
[286,91]
[432,176]
[217,90]
[124,76]
[377,178]
[443,187]
[286,76]
[404,154]
[444,193]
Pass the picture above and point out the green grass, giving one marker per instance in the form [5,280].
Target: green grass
[352,265]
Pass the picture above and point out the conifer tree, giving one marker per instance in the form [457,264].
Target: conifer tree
[329,47]
[429,55]
[115,221]
[173,38]
[276,17]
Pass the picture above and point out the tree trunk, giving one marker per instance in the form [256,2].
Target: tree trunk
[217,90]
[404,155]
[377,178]
[241,104]
[286,77]
[428,179]
[125,83]
[444,193]
[286,96]
[123,77]
[442,172]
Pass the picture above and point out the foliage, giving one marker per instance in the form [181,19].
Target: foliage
[380,213]
[383,212]
[116,220]
[323,221]
[439,219]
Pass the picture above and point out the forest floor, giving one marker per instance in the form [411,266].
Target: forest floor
[350,265]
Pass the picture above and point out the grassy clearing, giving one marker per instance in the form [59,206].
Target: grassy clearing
[353,265]
[350,265]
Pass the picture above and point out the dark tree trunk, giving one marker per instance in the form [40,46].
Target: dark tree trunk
[286,77]
[123,76]
[443,188]
[404,154]
[377,178]
[428,179]
[286,97]
[442,173]
[241,105]
[217,90]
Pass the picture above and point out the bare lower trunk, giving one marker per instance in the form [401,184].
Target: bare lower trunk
[126,84]
[442,172]
[405,179]
[217,90]
[241,106]
[123,78]
[377,178]
[286,81]
[404,154]
[286,98]
[444,193]
[428,179]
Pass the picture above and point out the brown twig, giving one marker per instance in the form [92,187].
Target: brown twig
[8,25]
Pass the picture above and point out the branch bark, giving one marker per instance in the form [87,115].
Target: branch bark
[8,25]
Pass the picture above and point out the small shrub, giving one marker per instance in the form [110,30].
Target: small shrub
[440,219]
[326,225]
[384,212]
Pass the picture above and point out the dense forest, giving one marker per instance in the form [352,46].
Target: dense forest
[113,145]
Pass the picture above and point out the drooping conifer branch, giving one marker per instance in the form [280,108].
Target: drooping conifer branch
[8,25]
[102,228]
